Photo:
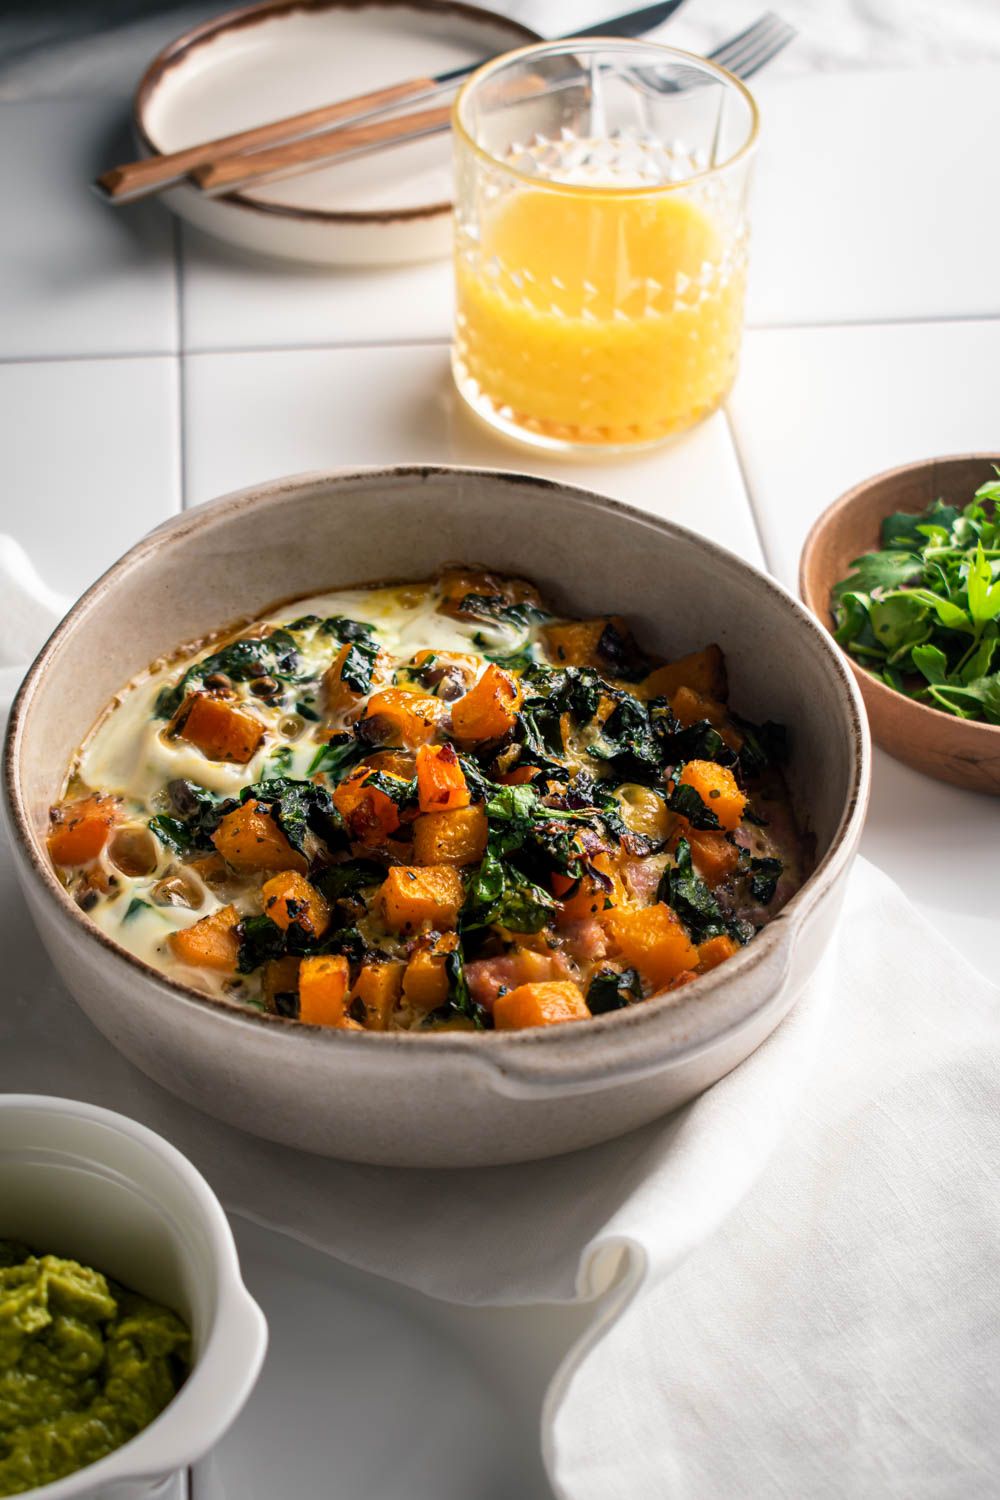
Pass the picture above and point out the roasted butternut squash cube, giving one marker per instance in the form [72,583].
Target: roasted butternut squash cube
[425,981]
[652,940]
[450,838]
[715,951]
[280,985]
[714,858]
[378,988]
[396,717]
[421,896]
[547,1004]
[606,643]
[340,696]
[489,710]
[211,943]
[219,729]
[370,814]
[289,899]
[704,672]
[717,788]
[250,841]
[441,784]
[81,829]
[324,992]
[689,707]
[590,896]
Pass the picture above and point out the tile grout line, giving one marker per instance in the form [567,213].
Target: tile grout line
[748,491]
[438,340]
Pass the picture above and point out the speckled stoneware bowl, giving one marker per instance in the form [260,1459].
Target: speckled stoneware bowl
[457,1099]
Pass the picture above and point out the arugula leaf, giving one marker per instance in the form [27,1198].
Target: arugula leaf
[931,662]
[880,570]
[984,594]
[686,801]
[613,989]
[978,699]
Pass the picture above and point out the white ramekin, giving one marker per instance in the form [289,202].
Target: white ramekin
[83,1182]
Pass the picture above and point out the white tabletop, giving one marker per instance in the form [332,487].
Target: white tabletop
[144,369]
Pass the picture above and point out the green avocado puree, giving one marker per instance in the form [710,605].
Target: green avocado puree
[84,1366]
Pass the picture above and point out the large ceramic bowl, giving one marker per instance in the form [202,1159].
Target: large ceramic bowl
[456,1099]
[82,1182]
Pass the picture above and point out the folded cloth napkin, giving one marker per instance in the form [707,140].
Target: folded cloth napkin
[794,1278]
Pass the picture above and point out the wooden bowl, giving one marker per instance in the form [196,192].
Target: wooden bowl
[957,750]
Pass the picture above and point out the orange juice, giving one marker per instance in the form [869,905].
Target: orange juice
[597,316]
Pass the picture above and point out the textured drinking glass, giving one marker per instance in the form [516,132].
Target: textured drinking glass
[600,241]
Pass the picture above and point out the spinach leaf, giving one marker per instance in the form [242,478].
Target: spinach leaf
[613,989]
[626,740]
[197,815]
[501,894]
[273,655]
[764,877]
[686,801]
[172,832]
[296,807]
[621,652]
[340,754]
[135,906]
[260,940]
[690,898]
[347,879]
[344,629]
[496,607]
[358,665]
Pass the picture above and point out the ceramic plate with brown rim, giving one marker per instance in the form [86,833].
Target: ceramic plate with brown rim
[964,752]
[266,61]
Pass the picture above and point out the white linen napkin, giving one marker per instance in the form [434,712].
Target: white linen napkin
[794,1278]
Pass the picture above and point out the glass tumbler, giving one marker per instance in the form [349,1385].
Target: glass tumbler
[600,241]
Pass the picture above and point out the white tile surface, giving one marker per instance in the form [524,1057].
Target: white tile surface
[78,278]
[236,300]
[90,460]
[873,197]
[817,410]
[252,417]
[860,211]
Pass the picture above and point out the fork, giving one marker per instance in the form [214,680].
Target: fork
[743,55]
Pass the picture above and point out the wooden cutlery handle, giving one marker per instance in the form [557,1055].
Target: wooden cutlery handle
[238,169]
[154,171]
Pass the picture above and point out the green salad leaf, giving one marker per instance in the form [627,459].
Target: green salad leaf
[923,612]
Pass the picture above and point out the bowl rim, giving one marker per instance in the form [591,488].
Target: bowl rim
[177,52]
[925,719]
[496,1050]
[229,1362]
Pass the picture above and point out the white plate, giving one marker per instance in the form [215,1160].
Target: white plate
[251,66]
